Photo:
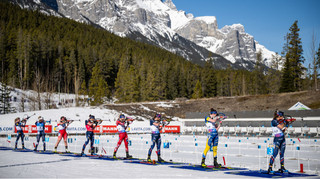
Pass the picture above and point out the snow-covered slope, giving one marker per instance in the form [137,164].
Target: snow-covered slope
[53,105]
[159,22]
[49,9]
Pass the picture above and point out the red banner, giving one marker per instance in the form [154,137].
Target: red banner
[98,129]
[171,129]
[33,129]
[106,129]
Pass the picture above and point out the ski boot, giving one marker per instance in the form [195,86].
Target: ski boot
[35,149]
[160,159]
[216,164]
[67,151]
[203,163]
[92,151]
[44,147]
[55,149]
[283,170]
[114,155]
[270,171]
[23,147]
[82,153]
[128,156]
[15,147]
[149,159]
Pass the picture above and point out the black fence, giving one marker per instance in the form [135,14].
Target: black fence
[259,114]
[299,115]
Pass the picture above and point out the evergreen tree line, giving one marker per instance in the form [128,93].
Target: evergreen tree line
[51,54]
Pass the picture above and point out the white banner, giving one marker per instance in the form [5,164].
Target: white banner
[6,130]
[139,130]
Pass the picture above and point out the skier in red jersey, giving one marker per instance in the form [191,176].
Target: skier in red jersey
[122,124]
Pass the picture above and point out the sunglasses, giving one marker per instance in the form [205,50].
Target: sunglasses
[213,112]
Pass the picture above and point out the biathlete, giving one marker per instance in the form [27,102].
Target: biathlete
[41,133]
[62,126]
[213,124]
[279,126]
[91,123]
[19,125]
[122,124]
[156,126]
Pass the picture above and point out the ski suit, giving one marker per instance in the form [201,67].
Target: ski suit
[123,136]
[19,126]
[62,131]
[40,134]
[89,135]
[279,142]
[155,137]
[213,138]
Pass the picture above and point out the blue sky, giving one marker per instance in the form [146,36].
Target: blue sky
[267,20]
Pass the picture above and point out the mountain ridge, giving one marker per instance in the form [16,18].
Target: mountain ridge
[194,38]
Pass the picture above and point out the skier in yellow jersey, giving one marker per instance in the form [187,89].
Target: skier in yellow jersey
[213,124]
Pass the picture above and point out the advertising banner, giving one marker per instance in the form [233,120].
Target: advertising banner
[6,129]
[99,129]
[171,129]
[33,129]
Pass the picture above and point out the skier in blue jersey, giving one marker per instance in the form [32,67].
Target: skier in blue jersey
[156,126]
[279,126]
[41,132]
[18,126]
[91,124]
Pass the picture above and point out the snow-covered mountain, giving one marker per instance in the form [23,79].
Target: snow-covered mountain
[44,8]
[158,22]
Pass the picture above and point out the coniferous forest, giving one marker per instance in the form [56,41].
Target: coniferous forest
[51,54]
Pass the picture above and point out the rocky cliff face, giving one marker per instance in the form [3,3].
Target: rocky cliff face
[158,22]
[230,42]
[36,5]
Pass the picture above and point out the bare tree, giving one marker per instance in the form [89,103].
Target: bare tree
[47,100]
[32,102]
[38,84]
[313,54]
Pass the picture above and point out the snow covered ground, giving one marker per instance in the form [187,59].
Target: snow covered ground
[238,152]
[244,152]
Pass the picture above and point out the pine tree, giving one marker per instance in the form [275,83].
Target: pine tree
[294,59]
[197,93]
[143,79]
[287,84]
[152,82]
[122,79]
[172,82]
[2,55]
[259,78]
[132,86]
[5,106]
[210,80]
[98,87]
[273,76]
